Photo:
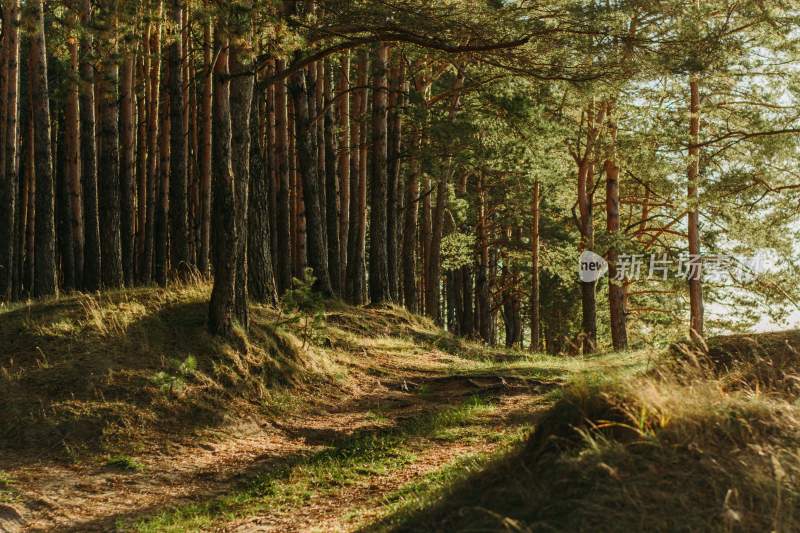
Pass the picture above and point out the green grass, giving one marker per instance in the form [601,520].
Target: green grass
[118,374]
[125,463]
[8,493]
[292,484]
[400,505]
[112,371]
[674,449]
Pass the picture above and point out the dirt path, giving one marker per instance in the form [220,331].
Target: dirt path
[88,497]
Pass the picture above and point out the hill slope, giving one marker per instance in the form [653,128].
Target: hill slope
[120,411]
[709,441]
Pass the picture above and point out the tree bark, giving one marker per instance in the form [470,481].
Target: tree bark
[434,292]
[178,188]
[307,167]
[394,140]
[378,259]
[10,177]
[142,192]
[92,253]
[482,293]
[65,241]
[468,310]
[316,113]
[282,155]
[299,258]
[410,215]
[585,190]
[343,118]
[616,290]
[153,145]
[358,185]
[536,321]
[241,99]
[331,180]
[271,161]
[261,281]
[693,222]
[426,232]
[161,227]
[108,152]
[7,188]
[221,308]
[127,169]
[205,154]
[45,254]
[29,267]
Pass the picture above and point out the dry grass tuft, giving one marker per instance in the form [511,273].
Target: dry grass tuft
[711,443]
[117,370]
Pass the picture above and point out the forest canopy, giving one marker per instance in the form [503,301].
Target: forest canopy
[456,157]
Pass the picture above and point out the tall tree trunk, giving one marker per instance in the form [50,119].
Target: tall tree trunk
[299,261]
[410,235]
[260,277]
[161,228]
[241,100]
[536,321]
[221,308]
[316,105]
[178,188]
[394,139]
[45,253]
[7,188]
[511,303]
[154,154]
[92,253]
[307,162]
[29,266]
[482,293]
[616,290]
[142,185]
[331,180]
[358,185]
[205,154]
[108,151]
[426,232]
[72,147]
[693,222]
[378,260]
[186,83]
[434,291]
[343,117]
[127,169]
[271,160]
[195,216]
[10,177]
[586,163]
[282,155]
[468,310]
[588,297]
[66,246]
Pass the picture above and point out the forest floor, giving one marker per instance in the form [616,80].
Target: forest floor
[120,414]
[337,466]
[392,406]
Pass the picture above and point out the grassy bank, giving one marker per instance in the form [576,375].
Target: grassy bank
[125,371]
[708,444]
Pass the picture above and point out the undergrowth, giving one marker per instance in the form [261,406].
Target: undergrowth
[692,445]
[121,371]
